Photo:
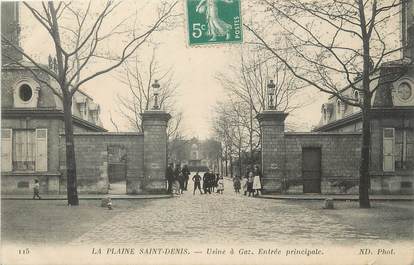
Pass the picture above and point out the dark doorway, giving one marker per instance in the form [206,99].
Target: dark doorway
[311,169]
[117,169]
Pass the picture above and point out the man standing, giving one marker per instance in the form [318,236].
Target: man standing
[170,176]
[197,180]
[179,178]
[206,182]
[186,175]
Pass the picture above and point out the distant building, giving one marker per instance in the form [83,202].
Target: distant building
[197,154]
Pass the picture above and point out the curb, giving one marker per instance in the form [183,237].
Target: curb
[335,199]
[88,198]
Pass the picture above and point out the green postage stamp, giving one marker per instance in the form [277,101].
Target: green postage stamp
[214,21]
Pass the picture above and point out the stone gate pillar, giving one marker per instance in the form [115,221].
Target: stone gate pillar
[154,124]
[272,125]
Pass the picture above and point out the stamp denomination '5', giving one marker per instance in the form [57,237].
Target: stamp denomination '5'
[214,21]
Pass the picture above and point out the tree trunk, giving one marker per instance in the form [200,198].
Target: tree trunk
[226,161]
[251,135]
[72,190]
[364,179]
[231,166]
[240,162]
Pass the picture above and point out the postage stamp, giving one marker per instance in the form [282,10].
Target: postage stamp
[214,21]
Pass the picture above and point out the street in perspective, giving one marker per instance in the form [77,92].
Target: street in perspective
[207,132]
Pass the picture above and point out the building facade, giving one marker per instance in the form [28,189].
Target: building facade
[33,140]
[327,159]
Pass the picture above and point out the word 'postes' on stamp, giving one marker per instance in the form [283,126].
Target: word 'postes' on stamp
[214,21]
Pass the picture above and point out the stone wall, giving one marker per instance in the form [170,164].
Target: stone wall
[273,148]
[155,150]
[340,156]
[92,160]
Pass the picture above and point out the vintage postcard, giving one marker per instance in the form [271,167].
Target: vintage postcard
[207,132]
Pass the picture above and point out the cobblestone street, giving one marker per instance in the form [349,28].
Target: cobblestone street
[223,218]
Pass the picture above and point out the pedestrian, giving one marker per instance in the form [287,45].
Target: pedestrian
[244,185]
[177,184]
[250,184]
[36,188]
[257,181]
[236,184]
[170,177]
[212,181]
[220,185]
[197,183]
[216,180]
[207,182]
[179,178]
[186,173]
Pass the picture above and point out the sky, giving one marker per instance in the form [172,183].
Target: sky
[195,69]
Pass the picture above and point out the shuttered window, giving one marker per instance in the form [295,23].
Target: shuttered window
[388,149]
[24,148]
[6,150]
[41,149]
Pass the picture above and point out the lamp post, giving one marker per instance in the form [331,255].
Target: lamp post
[156,87]
[271,92]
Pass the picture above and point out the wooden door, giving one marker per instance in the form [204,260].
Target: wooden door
[311,170]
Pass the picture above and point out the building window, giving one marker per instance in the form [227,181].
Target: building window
[356,96]
[388,146]
[24,150]
[338,110]
[25,92]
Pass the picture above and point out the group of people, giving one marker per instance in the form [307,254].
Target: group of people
[177,178]
[250,184]
[211,181]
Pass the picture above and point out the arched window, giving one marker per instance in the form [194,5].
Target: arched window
[356,95]
[338,109]
[324,114]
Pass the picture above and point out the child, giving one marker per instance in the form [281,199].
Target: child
[36,189]
[236,184]
[197,182]
[220,185]
[250,184]
[244,185]
[257,181]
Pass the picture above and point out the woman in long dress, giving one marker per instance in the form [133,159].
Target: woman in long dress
[216,26]
[257,183]
[244,185]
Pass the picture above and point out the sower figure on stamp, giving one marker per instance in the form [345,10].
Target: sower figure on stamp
[216,26]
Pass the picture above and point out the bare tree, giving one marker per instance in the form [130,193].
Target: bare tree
[230,130]
[336,44]
[247,87]
[91,31]
[139,77]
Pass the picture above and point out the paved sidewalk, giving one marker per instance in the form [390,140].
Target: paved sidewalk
[89,197]
[337,197]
